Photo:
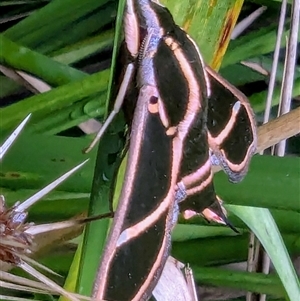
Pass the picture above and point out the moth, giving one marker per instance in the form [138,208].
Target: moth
[176,134]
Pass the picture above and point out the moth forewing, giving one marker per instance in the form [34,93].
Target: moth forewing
[231,127]
[139,239]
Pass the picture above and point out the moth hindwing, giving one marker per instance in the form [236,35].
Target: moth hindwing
[231,127]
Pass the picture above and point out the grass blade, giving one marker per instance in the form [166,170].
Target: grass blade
[261,222]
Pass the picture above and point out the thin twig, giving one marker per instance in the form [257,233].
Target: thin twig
[275,61]
[283,127]
[289,71]
[246,22]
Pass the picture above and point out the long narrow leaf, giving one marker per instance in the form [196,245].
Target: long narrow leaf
[261,222]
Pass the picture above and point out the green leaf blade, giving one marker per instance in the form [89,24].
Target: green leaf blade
[261,222]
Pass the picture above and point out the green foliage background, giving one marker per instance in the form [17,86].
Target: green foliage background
[57,42]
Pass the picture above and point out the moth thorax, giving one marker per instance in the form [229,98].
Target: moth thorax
[146,75]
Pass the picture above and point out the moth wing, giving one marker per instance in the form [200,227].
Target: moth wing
[231,127]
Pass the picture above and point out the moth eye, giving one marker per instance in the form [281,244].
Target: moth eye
[153,105]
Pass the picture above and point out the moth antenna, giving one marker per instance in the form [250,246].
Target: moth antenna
[144,44]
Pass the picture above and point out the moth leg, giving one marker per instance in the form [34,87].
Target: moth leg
[175,215]
[214,159]
[200,194]
[175,283]
[181,193]
[189,276]
[215,212]
[117,106]
[212,213]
